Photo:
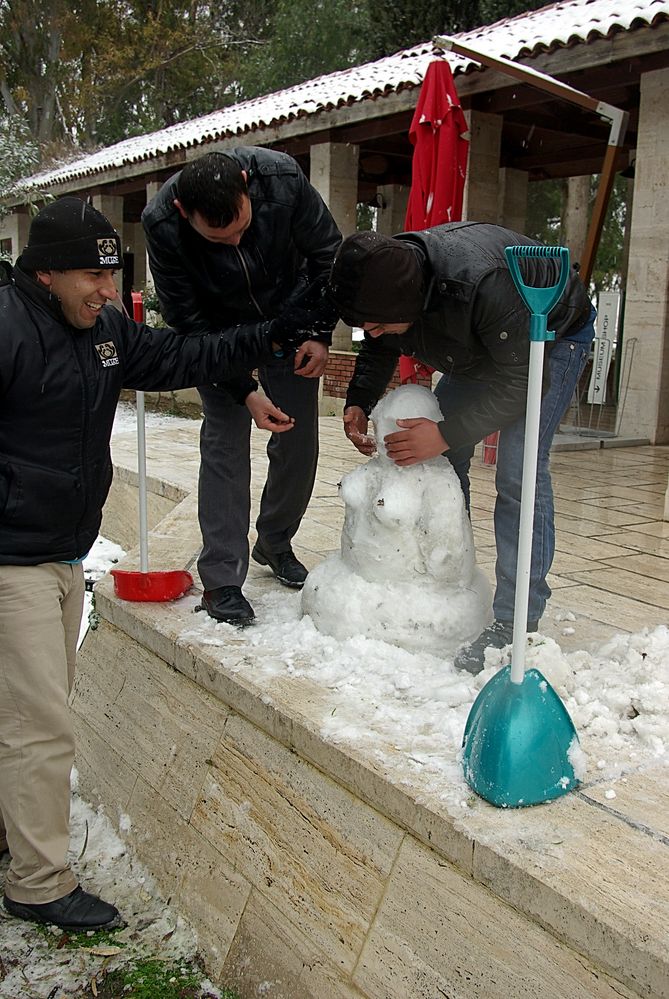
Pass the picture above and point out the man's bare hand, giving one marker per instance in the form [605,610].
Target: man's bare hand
[419,440]
[266,415]
[355,428]
[311,359]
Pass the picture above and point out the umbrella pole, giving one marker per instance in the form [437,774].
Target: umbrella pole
[527,497]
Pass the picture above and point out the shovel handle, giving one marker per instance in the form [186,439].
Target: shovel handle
[138,316]
[539,301]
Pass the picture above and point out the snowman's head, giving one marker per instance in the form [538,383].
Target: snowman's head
[408,402]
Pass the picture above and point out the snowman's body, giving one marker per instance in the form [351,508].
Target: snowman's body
[406,573]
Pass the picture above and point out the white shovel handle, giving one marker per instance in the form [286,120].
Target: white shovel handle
[527,495]
[141,477]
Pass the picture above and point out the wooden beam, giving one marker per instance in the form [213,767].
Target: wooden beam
[615,116]
[599,213]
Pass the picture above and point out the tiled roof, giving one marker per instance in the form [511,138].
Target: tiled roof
[557,25]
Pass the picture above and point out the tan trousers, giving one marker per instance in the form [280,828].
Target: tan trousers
[40,614]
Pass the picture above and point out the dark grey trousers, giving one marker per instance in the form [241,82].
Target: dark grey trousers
[224,498]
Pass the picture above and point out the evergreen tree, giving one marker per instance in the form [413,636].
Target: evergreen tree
[19,155]
[398,25]
[305,39]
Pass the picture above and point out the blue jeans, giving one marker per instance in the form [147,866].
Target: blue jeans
[566,362]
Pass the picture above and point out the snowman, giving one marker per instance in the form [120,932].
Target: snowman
[406,573]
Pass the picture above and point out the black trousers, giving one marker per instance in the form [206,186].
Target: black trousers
[224,498]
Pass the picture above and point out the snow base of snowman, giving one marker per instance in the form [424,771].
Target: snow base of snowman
[406,573]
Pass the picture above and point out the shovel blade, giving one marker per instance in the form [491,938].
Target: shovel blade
[517,742]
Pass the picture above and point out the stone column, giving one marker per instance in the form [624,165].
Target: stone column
[644,384]
[393,200]
[575,216]
[152,188]
[512,199]
[111,205]
[133,242]
[334,174]
[16,227]
[481,196]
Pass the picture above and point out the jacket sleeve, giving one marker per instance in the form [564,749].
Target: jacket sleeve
[315,234]
[180,307]
[176,293]
[374,367]
[314,230]
[156,360]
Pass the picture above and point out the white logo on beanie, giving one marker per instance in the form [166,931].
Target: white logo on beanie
[108,251]
[106,246]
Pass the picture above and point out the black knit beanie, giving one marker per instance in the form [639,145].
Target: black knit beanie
[71,235]
[376,278]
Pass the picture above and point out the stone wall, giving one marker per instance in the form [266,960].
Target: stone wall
[297,887]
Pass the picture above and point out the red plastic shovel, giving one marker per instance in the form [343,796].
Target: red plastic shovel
[169,584]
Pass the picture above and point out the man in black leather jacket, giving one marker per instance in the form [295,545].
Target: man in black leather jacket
[237,238]
[65,354]
[445,296]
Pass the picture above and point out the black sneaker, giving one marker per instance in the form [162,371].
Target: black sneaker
[471,658]
[286,567]
[228,603]
[77,911]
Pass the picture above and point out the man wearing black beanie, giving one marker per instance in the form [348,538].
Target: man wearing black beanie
[65,355]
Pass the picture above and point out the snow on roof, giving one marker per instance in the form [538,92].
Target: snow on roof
[559,25]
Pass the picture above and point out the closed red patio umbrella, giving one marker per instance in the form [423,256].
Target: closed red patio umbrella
[439,166]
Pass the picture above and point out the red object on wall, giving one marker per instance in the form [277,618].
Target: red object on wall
[137,306]
[490,444]
[439,167]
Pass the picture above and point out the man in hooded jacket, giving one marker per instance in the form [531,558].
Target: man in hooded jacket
[65,355]
[445,295]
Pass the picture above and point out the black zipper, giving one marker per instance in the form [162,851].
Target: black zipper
[248,282]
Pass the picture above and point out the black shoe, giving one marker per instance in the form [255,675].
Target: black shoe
[286,567]
[77,911]
[471,658]
[228,603]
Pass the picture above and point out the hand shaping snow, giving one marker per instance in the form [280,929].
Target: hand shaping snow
[418,441]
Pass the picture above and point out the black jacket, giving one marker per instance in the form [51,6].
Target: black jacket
[474,324]
[59,387]
[202,286]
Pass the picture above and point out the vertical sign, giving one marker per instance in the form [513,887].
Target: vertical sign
[607,331]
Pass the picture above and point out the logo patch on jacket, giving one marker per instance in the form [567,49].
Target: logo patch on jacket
[108,250]
[107,352]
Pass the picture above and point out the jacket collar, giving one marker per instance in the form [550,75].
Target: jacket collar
[38,293]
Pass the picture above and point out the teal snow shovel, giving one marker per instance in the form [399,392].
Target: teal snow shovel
[519,738]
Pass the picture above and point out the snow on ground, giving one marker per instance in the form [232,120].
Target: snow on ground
[35,967]
[408,710]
